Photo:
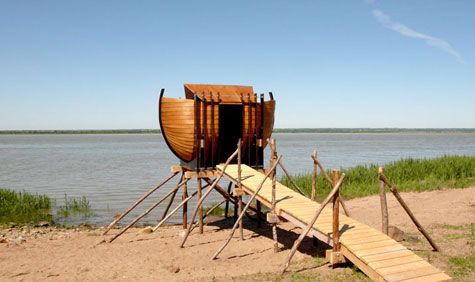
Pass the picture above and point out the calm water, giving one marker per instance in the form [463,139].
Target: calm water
[113,170]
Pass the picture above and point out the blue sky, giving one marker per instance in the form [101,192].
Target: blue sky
[100,64]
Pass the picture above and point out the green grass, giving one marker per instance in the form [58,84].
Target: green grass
[407,174]
[23,207]
[73,206]
[462,266]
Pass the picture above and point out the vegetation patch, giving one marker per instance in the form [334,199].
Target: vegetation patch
[408,174]
[23,207]
[462,266]
[74,206]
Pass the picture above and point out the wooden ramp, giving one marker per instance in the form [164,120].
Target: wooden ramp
[376,254]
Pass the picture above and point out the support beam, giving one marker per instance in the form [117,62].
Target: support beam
[312,222]
[408,211]
[245,208]
[138,202]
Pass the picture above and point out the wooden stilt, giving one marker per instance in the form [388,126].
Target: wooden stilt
[172,198]
[314,177]
[200,208]
[239,191]
[200,201]
[245,208]
[312,222]
[258,213]
[273,219]
[138,202]
[336,214]
[384,204]
[226,209]
[173,211]
[408,211]
[185,206]
[146,212]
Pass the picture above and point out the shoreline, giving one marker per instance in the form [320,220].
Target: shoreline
[277,130]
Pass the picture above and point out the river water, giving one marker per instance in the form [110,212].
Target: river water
[114,170]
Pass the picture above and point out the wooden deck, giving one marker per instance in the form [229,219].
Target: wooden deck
[376,254]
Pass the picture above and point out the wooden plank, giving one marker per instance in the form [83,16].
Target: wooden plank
[438,277]
[384,256]
[366,245]
[395,261]
[361,264]
[380,250]
[402,267]
[410,274]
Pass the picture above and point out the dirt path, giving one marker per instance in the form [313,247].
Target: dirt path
[83,255]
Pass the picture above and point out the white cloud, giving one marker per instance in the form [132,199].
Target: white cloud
[441,44]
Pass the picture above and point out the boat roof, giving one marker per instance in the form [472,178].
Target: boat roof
[227,93]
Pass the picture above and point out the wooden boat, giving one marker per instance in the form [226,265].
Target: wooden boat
[204,128]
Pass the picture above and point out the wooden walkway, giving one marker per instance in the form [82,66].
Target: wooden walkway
[376,254]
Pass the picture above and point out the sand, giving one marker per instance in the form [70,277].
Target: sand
[81,254]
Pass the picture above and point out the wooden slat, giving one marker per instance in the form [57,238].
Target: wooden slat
[411,274]
[438,277]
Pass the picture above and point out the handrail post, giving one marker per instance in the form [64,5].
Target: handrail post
[334,256]
[384,204]
[314,177]
[240,192]
[272,218]
[336,214]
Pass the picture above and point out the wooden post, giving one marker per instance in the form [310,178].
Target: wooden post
[200,207]
[336,214]
[137,203]
[245,209]
[185,206]
[226,209]
[200,200]
[274,214]
[239,191]
[408,211]
[312,222]
[314,177]
[384,204]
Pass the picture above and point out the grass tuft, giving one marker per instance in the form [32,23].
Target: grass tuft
[408,174]
[73,206]
[23,207]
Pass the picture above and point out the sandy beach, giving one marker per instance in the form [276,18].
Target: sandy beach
[49,253]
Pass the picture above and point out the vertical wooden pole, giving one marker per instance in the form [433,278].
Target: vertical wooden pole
[185,205]
[384,204]
[274,214]
[226,209]
[261,133]
[314,177]
[336,213]
[239,192]
[200,208]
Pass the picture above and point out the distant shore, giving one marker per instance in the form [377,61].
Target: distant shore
[277,130]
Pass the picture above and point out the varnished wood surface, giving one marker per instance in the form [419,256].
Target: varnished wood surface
[376,254]
[177,125]
[227,93]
